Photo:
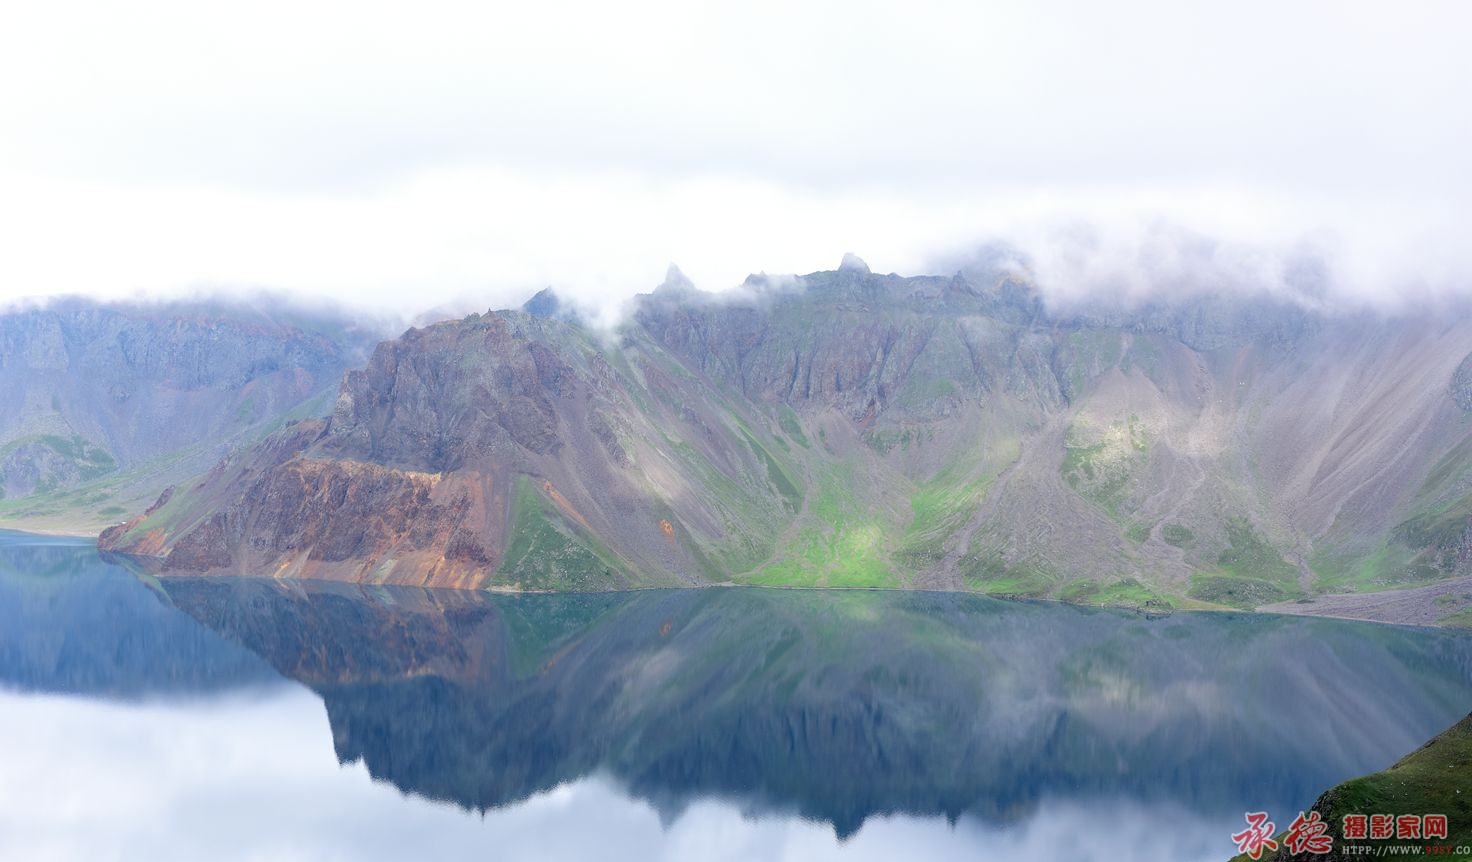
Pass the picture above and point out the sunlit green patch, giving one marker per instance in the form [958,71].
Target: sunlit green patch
[1251,572]
[1248,555]
[841,545]
[1236,591]
[1460,620]
[1125,592]
[1391,566]
[1101,463]
[944,504]
[990,574]
[546,553]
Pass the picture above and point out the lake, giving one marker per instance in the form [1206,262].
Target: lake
[211,718]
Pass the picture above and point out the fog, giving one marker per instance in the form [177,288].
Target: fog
[463,156]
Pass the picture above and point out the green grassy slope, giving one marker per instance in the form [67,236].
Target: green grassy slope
[1434,779]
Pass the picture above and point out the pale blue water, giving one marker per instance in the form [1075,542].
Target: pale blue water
[189,719]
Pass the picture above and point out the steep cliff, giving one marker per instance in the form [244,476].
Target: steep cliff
[851,429]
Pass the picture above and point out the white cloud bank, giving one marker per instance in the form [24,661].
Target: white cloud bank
[407,156]
[254,777]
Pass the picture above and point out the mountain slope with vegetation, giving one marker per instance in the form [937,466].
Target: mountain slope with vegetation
[109,403]
[851,429]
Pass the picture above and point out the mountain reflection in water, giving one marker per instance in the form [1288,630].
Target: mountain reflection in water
[839,707]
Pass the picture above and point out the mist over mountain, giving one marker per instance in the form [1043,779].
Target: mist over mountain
[1125,150]
[108,403]
[846,428]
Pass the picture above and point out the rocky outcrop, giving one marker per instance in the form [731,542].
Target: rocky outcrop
[283,512]
[1461,385]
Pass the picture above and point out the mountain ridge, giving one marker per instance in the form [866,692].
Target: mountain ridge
[847,428]
[110,402]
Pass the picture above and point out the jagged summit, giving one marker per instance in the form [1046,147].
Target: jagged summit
[549,305]
[853,263]
[675,279]
[545,303]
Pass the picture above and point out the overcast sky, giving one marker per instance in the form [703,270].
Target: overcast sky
[417,154]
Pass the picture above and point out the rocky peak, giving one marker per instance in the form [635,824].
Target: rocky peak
[545,303]
[674,279]
[853,263]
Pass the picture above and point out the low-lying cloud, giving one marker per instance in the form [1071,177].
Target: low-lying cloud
[466,155]
[1335,262]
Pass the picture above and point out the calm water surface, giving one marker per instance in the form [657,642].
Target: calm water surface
[190,719]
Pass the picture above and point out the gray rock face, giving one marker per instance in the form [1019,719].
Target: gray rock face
[98,389]
[1461,386]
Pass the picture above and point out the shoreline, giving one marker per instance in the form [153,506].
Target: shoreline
[1421,605]
[49,532]
[1411,606]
